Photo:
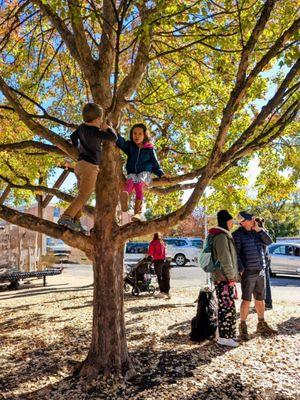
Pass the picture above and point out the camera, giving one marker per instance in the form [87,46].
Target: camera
[260,221]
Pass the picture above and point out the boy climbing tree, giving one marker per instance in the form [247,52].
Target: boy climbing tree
[88,139]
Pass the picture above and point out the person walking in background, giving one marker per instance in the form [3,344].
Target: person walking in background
[250,242]
[224,276]
[157,250]
[268,293]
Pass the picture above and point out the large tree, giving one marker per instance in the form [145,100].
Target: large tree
[216,81]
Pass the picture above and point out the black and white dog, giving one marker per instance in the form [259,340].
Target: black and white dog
[204,324]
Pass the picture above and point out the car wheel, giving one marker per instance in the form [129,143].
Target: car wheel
[180,260]
[151,289]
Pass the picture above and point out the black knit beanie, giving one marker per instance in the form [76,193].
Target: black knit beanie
[223,216]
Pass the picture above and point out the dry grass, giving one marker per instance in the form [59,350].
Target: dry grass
[44,333]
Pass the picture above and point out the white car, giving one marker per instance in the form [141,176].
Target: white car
[285,258]
[58,248]
[182,252]
[179,250]
[135,251]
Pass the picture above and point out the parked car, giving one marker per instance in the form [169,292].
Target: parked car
[185,241]
[135,251]
[182,251]
[178,249]
[196,242]
[57,247]
[285,258]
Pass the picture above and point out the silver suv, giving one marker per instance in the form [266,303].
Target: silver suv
[285,258]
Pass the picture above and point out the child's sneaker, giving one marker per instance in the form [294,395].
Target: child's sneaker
[136,217]
[227,342]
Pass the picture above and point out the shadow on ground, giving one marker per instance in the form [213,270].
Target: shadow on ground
[42,291]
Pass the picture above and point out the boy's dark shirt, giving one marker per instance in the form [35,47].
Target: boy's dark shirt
[88,140]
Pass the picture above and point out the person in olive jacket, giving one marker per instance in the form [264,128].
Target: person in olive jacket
[224,277]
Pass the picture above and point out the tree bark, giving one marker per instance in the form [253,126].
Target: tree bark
[108,354]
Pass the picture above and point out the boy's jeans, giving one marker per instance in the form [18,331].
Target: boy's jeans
[86,174]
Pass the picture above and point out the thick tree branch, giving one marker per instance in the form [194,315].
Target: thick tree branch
[272,52]
[5,194]
[32,144]
[45,116]
[187,186]
[60,26]
[252,41]
[133,79]
[45,113]
[89,210]
[79,32]
[34,126]
[266,136]
[172,189]
[106,54]
[49,228]
[164,181]
[242,84]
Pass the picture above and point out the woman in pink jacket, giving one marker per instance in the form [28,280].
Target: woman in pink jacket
[157,250]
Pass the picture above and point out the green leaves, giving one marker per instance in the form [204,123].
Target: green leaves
[194,56]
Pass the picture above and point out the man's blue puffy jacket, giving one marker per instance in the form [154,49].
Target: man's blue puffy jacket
[250,249]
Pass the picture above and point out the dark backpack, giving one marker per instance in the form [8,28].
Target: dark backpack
[204,324]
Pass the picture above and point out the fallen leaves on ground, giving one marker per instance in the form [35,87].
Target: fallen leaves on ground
[45,334]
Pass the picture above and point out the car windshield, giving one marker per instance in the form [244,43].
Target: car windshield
[176,242]
[54,242]
[137,248]
[197,242]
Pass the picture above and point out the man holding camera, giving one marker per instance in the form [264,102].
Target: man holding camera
[250,241]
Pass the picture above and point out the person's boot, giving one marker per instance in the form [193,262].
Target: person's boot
[264,329]
[124,200]
[244,336]
[137,210]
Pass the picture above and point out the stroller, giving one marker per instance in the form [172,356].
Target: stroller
[139,277]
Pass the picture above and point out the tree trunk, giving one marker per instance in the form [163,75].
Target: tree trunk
[108,353]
